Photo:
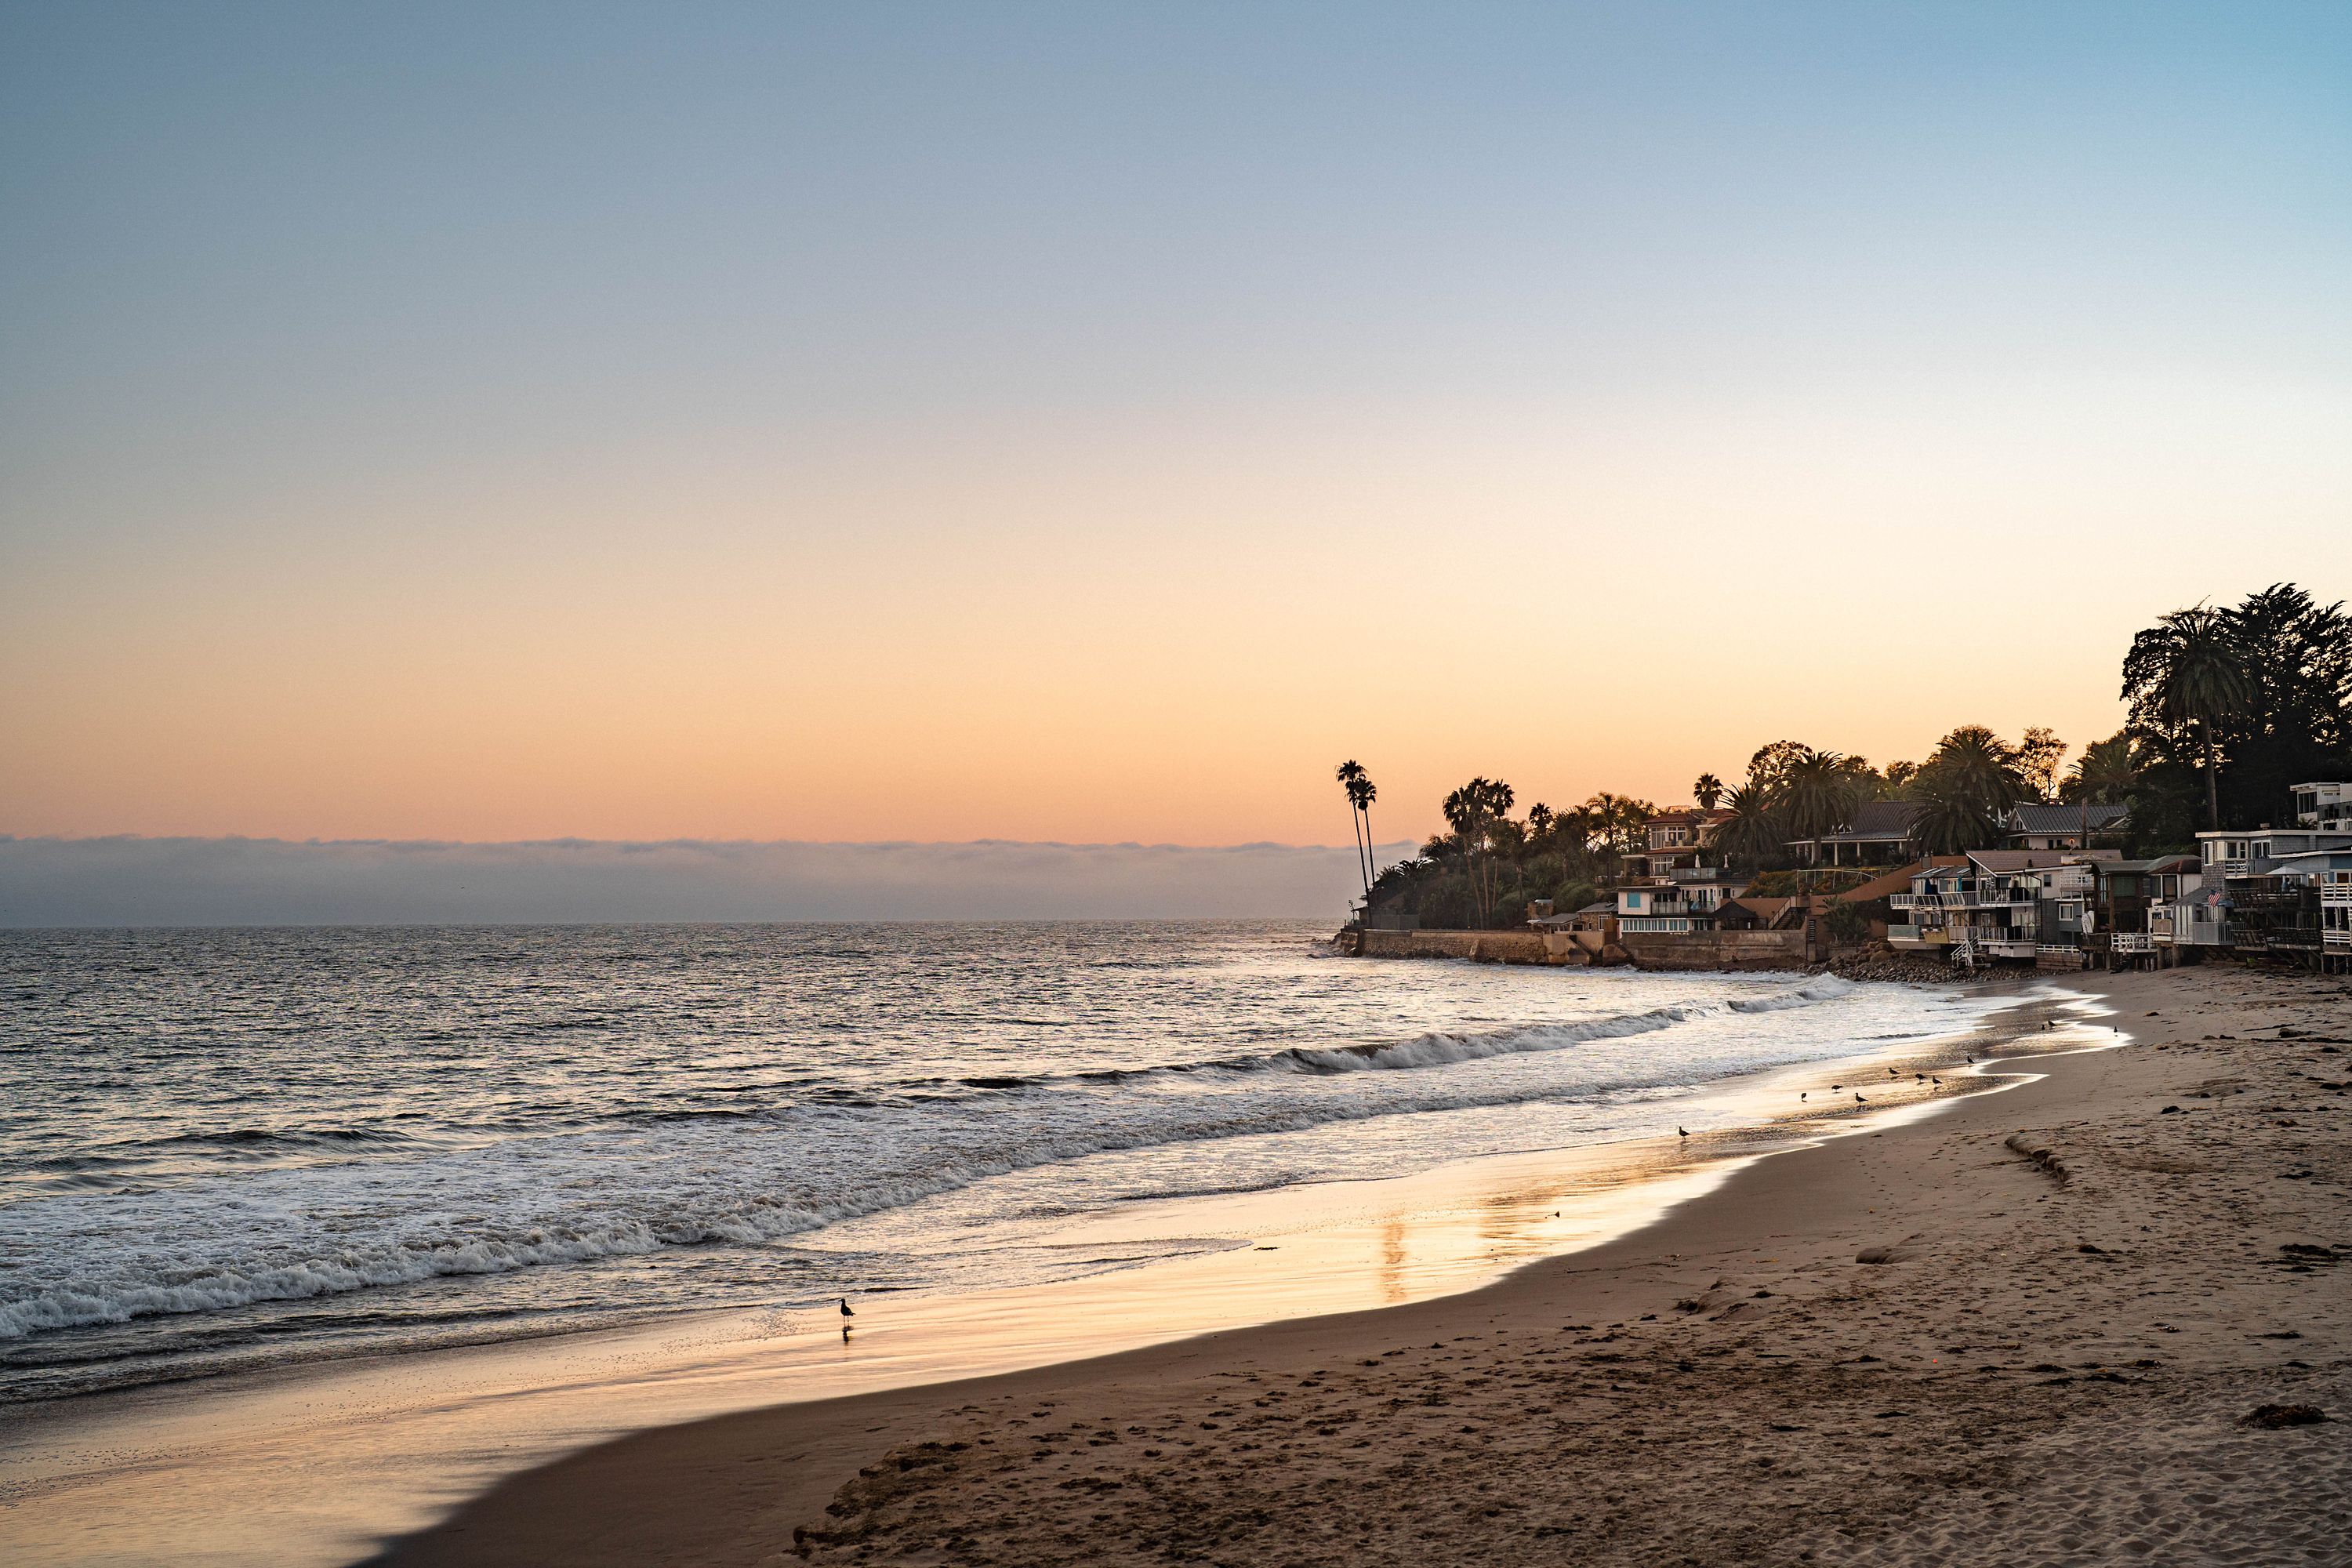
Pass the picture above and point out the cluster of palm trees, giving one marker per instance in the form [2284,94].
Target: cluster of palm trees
[1477,812]
[1487,864]
[2231,704]
[2238,702]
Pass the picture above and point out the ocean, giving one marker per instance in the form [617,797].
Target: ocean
[229,1149]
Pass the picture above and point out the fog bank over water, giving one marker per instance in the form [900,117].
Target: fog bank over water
[136,881]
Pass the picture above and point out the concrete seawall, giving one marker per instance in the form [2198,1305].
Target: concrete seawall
[1485,946]
[1720,949]
[1696,950]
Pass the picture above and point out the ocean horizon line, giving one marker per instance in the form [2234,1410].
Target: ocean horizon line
[133,881]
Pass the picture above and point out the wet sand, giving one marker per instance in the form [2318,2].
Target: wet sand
[2026,1330]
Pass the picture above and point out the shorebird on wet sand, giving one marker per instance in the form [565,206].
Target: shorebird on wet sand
[846,1315]
[1859,1100]
[1682,1131]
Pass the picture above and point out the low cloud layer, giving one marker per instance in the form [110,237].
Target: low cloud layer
[128,881]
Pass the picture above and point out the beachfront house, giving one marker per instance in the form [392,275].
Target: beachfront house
[2001,903]
[2296,907]
[1681,900]
[2126,903]
[1656,907]
[2323,820]
[2194,921]
[2334,887]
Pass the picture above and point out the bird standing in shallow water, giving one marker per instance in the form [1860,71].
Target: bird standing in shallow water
[846,1315]
[1682,1132]
[1859,1100]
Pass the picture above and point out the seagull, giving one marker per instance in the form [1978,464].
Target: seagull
[846,1314]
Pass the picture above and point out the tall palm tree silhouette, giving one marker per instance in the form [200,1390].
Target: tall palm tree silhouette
[1363,792]
[2185,667]
[1352,779]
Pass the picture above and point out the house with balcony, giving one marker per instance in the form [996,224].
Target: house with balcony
[2122,927]
[2000,903]
[1654,908]
[2332,883]
[1675,841]
[2297,908]
[2194,921]
[1681,900]
[2036,825]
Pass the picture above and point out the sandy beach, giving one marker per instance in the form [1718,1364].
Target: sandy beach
[2036,1327]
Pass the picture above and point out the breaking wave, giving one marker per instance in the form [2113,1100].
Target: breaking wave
[656,1117]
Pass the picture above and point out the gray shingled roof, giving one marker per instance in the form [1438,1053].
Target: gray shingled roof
[1881,819]
[2033,816]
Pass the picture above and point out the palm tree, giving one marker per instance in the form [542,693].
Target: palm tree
[1471,812]
[1753,830]
[1952,817]
[2185,669]
[1974,765]
[1706,789]
[2108,771]
[1819,792]
[1351,775]
[1363,792]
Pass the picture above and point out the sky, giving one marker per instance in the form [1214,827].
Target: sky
[1091,424]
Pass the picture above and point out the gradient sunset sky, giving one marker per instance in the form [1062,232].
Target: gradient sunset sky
[1094,422]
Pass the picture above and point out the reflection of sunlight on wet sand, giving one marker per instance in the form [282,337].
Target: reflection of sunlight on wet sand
[308,1465]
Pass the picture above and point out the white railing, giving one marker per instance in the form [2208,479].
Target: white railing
[2336,895]
[2134,941]
[1912,901]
